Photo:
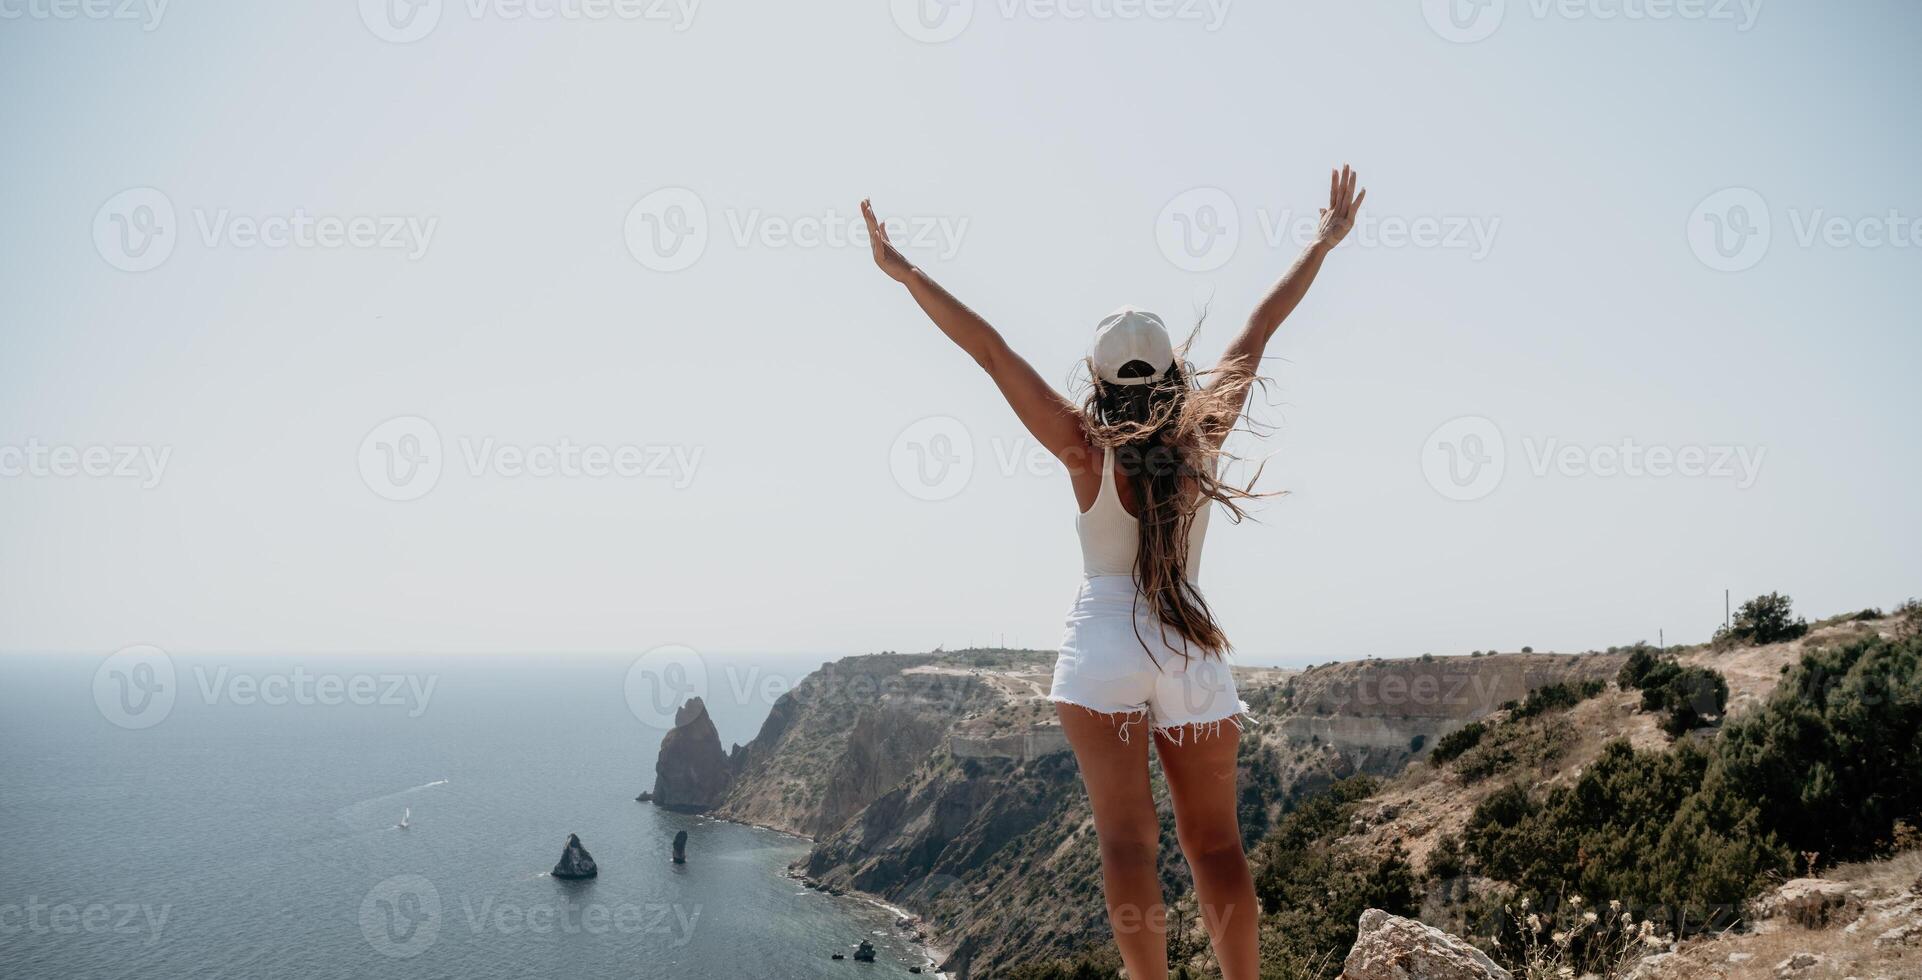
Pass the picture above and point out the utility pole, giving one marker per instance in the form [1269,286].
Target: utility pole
[1661,640]
[1726,622]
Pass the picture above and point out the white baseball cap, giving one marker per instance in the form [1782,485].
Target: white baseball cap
[1126,336]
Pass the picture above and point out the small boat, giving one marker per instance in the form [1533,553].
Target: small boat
[405,812]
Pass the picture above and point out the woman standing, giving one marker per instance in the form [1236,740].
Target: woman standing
[1142,657]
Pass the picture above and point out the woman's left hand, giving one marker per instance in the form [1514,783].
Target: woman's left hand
[1343,202]
[886,255]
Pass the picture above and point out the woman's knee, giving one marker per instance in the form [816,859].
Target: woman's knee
[1214,846]
[1129,850]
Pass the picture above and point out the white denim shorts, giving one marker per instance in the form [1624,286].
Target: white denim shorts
[1104,667]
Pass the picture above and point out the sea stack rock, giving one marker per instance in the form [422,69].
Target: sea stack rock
[680,847]
[864,953]
[575,861]
[692,773]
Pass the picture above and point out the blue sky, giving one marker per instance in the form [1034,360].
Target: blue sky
[621,233]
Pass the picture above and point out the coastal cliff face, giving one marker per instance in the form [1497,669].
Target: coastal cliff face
[691,773]
[941,782]
[849,733]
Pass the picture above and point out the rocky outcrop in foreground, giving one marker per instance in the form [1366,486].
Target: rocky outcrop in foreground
[575,861]
[692,774]
[1393,948]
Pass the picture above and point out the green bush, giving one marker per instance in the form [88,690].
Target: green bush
[1641,659]
[1837,750]
[1648,828]
[1693,697]
[1514,745]
[1826,766]
[1456,742]
[1764,619]
[1554,696]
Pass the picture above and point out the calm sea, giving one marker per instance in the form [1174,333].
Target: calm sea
[247,826]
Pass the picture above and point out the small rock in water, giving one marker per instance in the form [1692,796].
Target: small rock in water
[575,861]
[838,956]
[680,847]
[864,953]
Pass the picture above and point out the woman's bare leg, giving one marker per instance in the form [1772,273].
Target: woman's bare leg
[1116,775]
[1200,768]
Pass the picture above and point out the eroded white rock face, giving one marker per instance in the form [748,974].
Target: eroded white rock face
[1391,947]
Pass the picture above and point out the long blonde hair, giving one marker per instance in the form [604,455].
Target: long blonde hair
[1167,439]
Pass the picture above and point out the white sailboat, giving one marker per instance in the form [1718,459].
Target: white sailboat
[405,812]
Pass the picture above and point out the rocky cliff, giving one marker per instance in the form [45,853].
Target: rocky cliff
[941,782]
[692,773]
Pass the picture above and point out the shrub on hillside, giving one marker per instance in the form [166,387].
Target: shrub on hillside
[1514,745]
[1689,697]
[1837,749]
[1313,891]
[1641,659]
[1647,828]
[1827,766]
[1764,619]
[1693,697]
[1456,742]
[1548,697]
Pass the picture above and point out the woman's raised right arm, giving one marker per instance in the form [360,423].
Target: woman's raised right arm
[1049,416]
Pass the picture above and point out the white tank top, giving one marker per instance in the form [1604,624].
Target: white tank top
[1111,537]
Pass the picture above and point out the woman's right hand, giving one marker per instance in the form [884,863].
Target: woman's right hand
[886,255]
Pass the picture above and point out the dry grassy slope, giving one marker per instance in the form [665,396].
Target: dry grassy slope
[1423,804]
[1877,936]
